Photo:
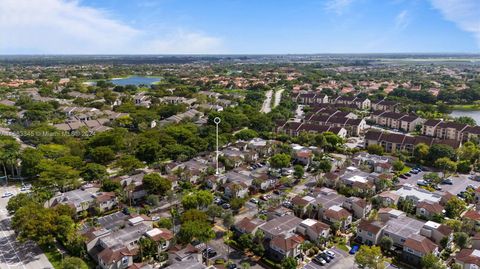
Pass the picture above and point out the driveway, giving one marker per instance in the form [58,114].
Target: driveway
[13,254]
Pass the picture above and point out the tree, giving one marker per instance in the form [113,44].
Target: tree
[420,152]
[30,158]
[194,215]
[214,211]
[57,176]
[446,164]
[289,263]
[228,219]
[94,171]
[464,166]
[370,257]
[398,165]
[237,203]
[461,239]
[74,263]
[195,230]
[468,151]
[245,241]
[375,149]
[280,160]
[298,171]
[430,261]
[246,134]
[128,164]
[386,244]
[18,201]
[109,185]
[197,199]
[156,184]
[454,207]
[438,151]
[148,248]
[324,165]
[102,155]
[465,120]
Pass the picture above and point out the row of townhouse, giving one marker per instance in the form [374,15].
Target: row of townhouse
[386,105]
[394,120]
[413,237]
[346,120]
[284,234]
[392,142]
[296,128]
[315,98]
[327,205]
[450,130]
[85,199]
[469,258]
[113,241]
[427,204]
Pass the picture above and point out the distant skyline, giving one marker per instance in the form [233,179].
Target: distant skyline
[239,26]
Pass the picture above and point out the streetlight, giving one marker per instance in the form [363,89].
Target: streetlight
[217,121]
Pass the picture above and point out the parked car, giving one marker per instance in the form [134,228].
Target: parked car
[408,174]
[325,257]
[254,200]
[403,176]
[438,188]
[266,197]
[330,253]
[209,253]
[7,194]
[226,206]
[231,266]
[354,249]
[422,183]
[318,260]
[448,181]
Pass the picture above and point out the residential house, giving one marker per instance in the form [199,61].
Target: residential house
[337,214]
[417,246]
[314,230]
[282,225]
[360,207]
[428,209]
[386,105]
[369,232]
[248,225]
[468,258]
[162,236]
[189,253]
[236,189]
[285,245]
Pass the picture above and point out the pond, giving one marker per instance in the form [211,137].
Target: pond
[134,80]
[474,114]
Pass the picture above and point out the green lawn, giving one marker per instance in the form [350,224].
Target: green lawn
[406,169]
[54,257]
[342,247]
[466,107]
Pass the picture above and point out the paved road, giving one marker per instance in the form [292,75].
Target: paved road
[14,255]
[266,107]
[278,98]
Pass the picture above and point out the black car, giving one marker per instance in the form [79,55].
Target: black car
[403,176]
[226,206]
[325,257]
[319,260]
[209,253]
[231,266]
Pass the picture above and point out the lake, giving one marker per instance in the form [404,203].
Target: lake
[474,114]
[134,81]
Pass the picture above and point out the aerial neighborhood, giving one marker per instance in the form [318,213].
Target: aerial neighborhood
[254,162]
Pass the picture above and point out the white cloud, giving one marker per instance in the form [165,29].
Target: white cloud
[465,14]
[337,6]
[64,27]
[402,20]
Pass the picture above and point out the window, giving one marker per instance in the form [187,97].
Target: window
[370,234]
[402,240]
[387,234]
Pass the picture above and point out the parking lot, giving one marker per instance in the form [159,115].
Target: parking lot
[460,183]
[342,260]
[14,255]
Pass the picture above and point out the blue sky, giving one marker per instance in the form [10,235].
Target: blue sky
[238,26]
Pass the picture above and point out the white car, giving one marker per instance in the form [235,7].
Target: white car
[330,253]
[7,194]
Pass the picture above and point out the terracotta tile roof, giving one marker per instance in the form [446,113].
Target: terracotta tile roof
[473,215]
[430,207]
[370,226]
[337,214]
[109,256]
[248,225]
[468,256]
[286,243]
[420,244]
[106,196]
